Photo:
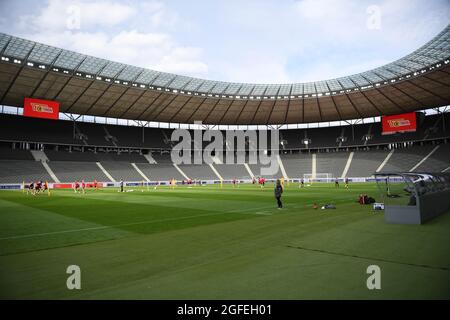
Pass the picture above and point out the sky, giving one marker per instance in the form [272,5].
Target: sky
[256,41]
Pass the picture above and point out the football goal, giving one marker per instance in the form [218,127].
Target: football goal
[318,177]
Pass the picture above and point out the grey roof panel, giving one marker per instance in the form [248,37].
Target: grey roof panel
[44,54]
[259,90]
[410,65]
[246,89]
[69,60]
[372,77]
[206,86]
[383,72]
[92,65]
[359,80]
[18,48]
[398,69]
[309,88]
[130,73]
[297,89]
[163,79]
[194,84]
[4,38]
[285,90]
[220,87]
[272,89]
[233,88]
[179,82]
[147,76]
[321,87]
[112,69]
[346,83]
[334,85]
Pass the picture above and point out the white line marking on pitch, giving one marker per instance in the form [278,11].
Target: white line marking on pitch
[129,224]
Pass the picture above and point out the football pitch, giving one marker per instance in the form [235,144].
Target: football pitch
[207,242]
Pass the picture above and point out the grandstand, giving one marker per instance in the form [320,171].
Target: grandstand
[67,156]
[72,161]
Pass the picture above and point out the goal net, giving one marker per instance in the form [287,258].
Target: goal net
[318,177]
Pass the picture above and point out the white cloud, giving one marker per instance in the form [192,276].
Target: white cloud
[250,41]
[185,60]
[151,49]
[255,69]
[60,15]
[328,70]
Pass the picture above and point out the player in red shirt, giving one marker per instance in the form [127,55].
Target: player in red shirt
[76,186]
[262,182]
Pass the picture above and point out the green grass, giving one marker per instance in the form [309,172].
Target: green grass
[212,243]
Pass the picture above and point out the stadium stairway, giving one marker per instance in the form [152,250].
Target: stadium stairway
[119,170]
[347,165]
[232,171]
[332,162]
[296,165]
[216,172]
[160,172]
[365,163]
[140,172]
[438,161]
[18,171]
[200,171]
[406,159]
[69,171]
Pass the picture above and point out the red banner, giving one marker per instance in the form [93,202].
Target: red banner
[62,186]
[71,185]
[405,122]
[38,108]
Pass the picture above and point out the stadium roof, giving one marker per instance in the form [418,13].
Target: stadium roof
[93,86]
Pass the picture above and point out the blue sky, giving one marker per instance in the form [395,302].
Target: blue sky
[264,41]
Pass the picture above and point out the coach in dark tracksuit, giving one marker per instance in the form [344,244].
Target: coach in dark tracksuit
[278,191]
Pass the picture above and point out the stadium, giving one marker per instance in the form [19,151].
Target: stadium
[88,179]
